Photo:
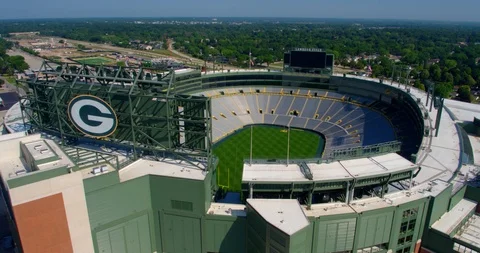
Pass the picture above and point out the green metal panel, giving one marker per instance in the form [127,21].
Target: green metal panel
[190,192]
[132,236]
[299,242]
[374,228]
[166,191]
[439,206]
[256,232]
[472,193]
[36,176]
[335,235]
[101,181]
[225,234]
[438,242]
[277,241]
[181,234]
[118,201]
[456,197]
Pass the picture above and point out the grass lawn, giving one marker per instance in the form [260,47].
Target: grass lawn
[10,79]
[94,60]
[269,142]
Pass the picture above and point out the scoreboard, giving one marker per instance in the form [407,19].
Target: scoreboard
[308,60]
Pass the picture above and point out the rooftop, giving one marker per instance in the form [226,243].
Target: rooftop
[335,171]
[227,209]
[13,165]
[471,232]
[438,156]
[39,150]
[452,219]
[285,214]
[166,168]
[328,209]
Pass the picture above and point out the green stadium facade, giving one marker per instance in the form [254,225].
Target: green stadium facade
[151,186]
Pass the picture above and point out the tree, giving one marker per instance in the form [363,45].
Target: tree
[268,59]
[121,64]
[18,62]
[470,81]
[419,85]
[425,74]
[464,93]
[81,47]
[437,72]
[450,64]
[443,89]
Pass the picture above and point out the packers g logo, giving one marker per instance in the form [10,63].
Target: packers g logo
[92,116]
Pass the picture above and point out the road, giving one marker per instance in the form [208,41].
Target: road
[33,61]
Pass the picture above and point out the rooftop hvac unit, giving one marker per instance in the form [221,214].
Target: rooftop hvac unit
[103,168]
[96,171]
[20,172]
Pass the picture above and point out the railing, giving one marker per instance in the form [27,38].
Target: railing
[365,151]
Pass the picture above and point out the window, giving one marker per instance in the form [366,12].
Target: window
[410,212]
[411,225]
[403,227]
[408,238]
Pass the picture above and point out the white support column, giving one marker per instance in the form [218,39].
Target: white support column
[250,195]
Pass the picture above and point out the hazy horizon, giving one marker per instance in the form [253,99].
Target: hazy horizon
[409,10]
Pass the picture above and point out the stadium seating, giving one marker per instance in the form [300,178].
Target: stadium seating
[346,121]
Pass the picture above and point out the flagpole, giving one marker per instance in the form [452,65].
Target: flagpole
[251,144]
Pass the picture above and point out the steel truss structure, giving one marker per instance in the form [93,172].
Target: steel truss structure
[152,118]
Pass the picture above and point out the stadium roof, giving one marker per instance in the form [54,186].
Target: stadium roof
[471,232]
[285,214]
[327,172]
[439,157]
[453,219]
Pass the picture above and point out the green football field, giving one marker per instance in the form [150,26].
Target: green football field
[94,60]
[269,142]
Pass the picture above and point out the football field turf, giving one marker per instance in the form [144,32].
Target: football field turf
[268,142]
[95,60]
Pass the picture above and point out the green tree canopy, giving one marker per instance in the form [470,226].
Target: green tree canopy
[464,93]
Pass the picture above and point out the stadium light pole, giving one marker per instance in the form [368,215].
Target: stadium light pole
[251,144]
[393,73]
[409,69]
[288,145]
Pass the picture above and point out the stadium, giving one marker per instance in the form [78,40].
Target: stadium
[103,159]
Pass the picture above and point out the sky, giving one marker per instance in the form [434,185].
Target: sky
[444,10]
